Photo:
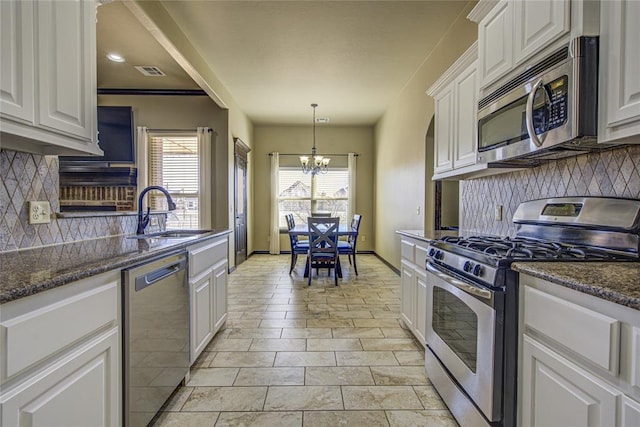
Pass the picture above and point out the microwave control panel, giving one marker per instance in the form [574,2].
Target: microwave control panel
[558,100]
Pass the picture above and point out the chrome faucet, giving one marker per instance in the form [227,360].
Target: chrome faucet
[143,220]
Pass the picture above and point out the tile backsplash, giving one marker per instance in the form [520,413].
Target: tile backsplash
[613,173]
[25,177]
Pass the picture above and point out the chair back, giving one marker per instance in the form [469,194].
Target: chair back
[355,225]
[321,214]
[323,235]
[290,224]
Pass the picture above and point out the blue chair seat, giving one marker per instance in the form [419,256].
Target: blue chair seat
[342,244]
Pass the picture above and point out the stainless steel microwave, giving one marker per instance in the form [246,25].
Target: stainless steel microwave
[549,111]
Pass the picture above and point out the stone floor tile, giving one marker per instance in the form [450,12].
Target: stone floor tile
[380,397]
[212,377]
[283,323]
[351,314]
[186,419]
[239,359]
[260,419]
[396,332]
[255,333]
[357,333]
[177,400]
[365,358]
[345,418]
[333,344]
[264,315]
[399,375]
[292,398]
[298,358]
[421,418]
[429,397]
[226,399]
[229,344]
[375,323]
[389,344]
[278,344]
[331,323]
[338,375]
[410,358]
[306,333]
[270,376]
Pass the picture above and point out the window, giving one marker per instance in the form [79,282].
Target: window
[174,165]
[303,194]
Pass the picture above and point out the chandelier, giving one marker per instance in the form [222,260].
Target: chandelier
[314,164]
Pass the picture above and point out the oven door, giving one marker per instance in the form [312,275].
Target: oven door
[461,331]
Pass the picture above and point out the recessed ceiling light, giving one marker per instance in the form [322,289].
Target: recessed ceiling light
[322,119]
[115,57]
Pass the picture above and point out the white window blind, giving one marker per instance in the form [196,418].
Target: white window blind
[174,165]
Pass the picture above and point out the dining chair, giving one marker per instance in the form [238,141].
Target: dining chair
[323,245]
[348,247]
[297,247]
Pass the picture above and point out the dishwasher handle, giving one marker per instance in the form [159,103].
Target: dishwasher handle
[159,274]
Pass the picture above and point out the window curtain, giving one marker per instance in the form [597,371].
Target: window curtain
[351,205]
[205,177]
[274,235]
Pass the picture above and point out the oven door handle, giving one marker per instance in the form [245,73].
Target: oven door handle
[473,290]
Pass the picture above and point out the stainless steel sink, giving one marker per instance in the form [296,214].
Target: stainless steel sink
[170,234]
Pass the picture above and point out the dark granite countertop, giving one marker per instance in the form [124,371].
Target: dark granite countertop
[618,282]
[27,272]
[427,235]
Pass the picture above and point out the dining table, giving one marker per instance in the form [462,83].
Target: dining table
[303,230]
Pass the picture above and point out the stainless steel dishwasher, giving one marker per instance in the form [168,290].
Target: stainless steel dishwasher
[155,335]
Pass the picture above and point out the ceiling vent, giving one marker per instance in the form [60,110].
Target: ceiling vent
[150,70]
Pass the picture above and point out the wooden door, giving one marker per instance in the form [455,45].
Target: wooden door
[240,214]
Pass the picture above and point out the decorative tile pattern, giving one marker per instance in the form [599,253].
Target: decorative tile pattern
[25,177]
[608,173]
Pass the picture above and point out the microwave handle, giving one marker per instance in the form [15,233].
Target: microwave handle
[530,128]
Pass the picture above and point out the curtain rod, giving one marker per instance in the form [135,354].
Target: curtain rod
[192,130]
[322,154]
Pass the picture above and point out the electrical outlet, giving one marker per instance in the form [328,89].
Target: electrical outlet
[39,212]
[363,238]
[498,214]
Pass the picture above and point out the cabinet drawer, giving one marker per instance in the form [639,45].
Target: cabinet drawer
[407,250]
[41,332]
[592,335]
[421,257]
[205,255]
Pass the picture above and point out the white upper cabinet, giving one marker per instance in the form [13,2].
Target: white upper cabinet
[48,84]
[496,50]
[513,31]
[465,92]
[539,23]
[619,69]
[444,116]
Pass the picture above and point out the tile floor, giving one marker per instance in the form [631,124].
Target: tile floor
[293,355]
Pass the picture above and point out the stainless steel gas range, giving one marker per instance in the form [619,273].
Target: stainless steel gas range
[472,295]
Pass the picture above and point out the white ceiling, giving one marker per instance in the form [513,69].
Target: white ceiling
[277,57]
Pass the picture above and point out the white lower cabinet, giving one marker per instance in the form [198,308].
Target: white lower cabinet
[579,358]
[559,393]
[207,292]
[413,286]
[60,356]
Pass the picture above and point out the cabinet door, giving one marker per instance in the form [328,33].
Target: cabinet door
[537,24]
[495,43]
[444,117]
[78,390]
[407,294]
[619,65]
[220,295]
[630,413]
[66,52]
[421,306]
[202,316]
[555,392]
[465,139]
[16,56]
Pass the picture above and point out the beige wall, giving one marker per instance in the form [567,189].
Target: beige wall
[298,140]
[403,162]
[187,112]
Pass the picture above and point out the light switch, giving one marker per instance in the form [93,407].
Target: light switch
[39,212]
[498,214]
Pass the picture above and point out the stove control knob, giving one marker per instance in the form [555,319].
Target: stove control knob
[477,270]
[467,266]
[431,252]
[439,255]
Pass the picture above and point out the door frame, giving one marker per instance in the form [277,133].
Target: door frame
[241,151]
